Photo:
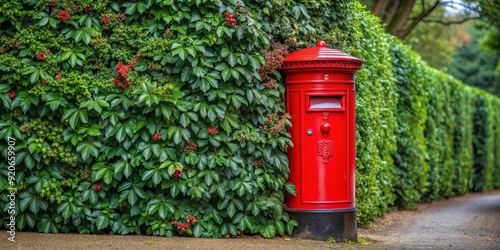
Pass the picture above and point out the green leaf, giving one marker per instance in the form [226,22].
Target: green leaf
[225,52]
[290,225]
[43,21]
[73,60]
[231,209]
[197,230]
[268,231]
[64,210]
[139,192]
[46,225]
[231,59]
[280,227]
[35,76]
[141,66]
[102,221]
[226,74]
[115,6]
[86,37]
[290,188]
[148,174]
[29,161]
[132,198]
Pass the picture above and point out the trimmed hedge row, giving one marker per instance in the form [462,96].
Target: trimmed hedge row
[166,117]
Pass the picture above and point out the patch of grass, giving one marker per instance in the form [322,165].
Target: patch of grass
[330,240]
[362,240]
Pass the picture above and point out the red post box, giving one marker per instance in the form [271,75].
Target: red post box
[320,97]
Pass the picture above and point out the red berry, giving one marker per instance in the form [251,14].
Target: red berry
[157,136]
[11,93]
[177,173]
[40,56]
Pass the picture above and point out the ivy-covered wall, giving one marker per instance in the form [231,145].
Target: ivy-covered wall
[152,117]
[167,117]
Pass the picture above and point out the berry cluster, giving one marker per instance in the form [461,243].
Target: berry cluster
[258,163]
[11,93]
[121,17]
[40,56]
[121,77]
[184,226]
[98,187]
[230,19]
[177,174]
[52,3]
[59,75]
[63,15]
[156,136]
[191,219]
[212,131]
[190,146]
[273,60]
[110,18]
[122,72]
[271,84]
[105,20]
[88,9]
[14,45]
[275,124]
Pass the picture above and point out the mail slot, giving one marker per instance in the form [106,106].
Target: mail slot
[320,97]
[325,103]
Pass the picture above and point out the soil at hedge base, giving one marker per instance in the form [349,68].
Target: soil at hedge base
[466,222]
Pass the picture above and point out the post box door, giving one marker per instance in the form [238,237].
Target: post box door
[324,174]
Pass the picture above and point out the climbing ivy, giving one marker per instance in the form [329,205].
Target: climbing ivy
[142,117]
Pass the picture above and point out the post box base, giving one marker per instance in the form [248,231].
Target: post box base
[341,225]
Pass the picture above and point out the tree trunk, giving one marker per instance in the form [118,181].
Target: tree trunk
[402,14]
[380,8]
[396,14]
[391,11]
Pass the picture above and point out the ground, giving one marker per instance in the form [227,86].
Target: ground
[466,222]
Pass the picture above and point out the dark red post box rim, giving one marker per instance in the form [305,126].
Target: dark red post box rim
[320,57]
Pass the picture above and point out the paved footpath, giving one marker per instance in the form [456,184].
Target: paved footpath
[467,222]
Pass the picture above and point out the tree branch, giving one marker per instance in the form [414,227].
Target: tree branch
[450,22]
[404,32]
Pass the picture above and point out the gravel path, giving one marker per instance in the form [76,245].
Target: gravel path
[466,222]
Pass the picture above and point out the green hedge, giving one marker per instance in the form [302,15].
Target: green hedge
[463,111]
[167,117]
[496,176]
[411,156]
[439,137]
[484,144]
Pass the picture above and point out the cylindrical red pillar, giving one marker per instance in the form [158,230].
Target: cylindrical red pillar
[321,101]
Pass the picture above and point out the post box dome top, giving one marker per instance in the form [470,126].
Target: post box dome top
[320,57]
